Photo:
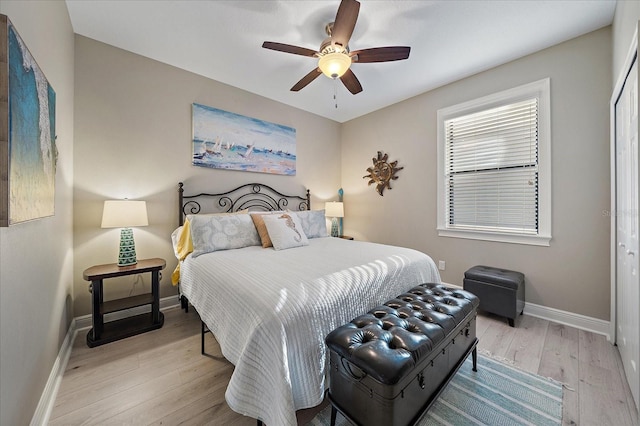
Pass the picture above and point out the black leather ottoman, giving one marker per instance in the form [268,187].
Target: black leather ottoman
[500,291]
[388,366]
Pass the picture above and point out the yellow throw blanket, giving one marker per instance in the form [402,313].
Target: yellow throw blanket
[184,247]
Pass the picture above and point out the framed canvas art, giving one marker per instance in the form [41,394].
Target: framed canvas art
[27,133]
[225,140]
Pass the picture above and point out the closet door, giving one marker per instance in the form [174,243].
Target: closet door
[627,223]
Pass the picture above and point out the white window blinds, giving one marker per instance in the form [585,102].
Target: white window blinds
[491,169]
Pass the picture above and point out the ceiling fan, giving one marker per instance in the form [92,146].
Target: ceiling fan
[334,56]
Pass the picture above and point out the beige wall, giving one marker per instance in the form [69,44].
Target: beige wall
[625,21]
[36,258]
[133,133]
[573,273]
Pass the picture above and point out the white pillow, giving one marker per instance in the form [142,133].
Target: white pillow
[314,223]
[285,230]
[216,232]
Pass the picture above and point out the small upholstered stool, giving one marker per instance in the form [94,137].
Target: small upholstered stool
[500,291]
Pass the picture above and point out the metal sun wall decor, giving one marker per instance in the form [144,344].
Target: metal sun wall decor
[225,140]
[28,152]
[382,172]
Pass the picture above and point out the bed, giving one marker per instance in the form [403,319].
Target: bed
[270,309]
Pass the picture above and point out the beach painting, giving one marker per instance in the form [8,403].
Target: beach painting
[225,140]
[28,153]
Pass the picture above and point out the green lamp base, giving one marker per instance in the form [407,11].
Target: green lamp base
[334,227]
[127,255]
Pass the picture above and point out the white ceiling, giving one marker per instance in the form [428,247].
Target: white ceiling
[449,40]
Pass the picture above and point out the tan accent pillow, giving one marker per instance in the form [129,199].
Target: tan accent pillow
[258,221]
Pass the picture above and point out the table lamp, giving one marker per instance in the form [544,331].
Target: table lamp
[125,214]
[334,210]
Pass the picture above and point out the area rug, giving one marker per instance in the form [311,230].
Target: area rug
[497,394]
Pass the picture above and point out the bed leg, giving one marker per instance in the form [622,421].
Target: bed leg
[259,422]
[202,339]
[184,304]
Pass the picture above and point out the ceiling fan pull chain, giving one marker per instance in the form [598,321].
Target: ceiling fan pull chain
[335,92]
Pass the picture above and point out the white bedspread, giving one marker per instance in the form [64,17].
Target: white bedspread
[271,310]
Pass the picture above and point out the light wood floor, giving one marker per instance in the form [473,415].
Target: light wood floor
[160,377]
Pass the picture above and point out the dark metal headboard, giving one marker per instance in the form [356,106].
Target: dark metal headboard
[254,196]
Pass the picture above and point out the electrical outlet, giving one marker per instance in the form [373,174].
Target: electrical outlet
[441,265]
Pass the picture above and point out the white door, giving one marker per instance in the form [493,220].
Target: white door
[627,222]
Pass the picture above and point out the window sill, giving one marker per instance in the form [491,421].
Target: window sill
[533,240]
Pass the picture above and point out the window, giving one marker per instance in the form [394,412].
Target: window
[494,167]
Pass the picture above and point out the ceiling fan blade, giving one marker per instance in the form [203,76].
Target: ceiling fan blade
[345,22]
[351,82]
[381,54]
[288,48]
[306,80]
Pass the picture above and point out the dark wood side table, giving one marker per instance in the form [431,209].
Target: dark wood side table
[102,332]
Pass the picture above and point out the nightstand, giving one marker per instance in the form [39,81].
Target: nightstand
[105,332]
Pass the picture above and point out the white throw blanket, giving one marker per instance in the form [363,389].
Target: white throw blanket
[271,310]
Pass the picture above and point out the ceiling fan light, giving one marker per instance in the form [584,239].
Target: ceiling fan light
[334,65]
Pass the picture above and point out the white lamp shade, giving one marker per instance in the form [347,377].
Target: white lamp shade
[334,209]
[335,64]
[124,214]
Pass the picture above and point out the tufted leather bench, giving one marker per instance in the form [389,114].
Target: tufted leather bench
[388,366]
[501,291]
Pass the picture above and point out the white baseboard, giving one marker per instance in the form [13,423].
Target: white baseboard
[578,321]
[48,397]
[581,322]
